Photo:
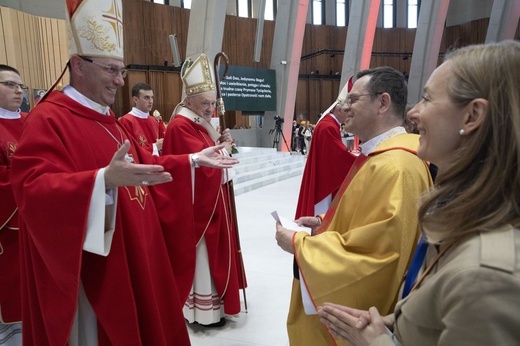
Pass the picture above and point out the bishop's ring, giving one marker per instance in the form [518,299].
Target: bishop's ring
[145,182]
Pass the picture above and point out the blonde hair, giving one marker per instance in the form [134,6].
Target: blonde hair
[479,190]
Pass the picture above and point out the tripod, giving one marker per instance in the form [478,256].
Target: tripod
[277,132]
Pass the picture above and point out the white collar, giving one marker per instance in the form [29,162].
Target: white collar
[334,117]
[5,114]
[188,113]
[74,94]
[369,146]
[136,112]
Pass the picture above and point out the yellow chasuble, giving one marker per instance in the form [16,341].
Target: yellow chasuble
[360,255]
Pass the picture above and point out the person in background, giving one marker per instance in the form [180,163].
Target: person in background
[328,162]
[301,137]
[294,136]
[94,265]
[11,124]
[144,127]
[369,233]
[210,271]
[468,291]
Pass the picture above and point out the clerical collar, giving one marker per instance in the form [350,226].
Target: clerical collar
[136,112]
[5,114]
[71,92]
[369,146]
[188,113]
[334,117]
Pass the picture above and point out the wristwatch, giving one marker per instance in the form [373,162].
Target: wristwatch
[195,160]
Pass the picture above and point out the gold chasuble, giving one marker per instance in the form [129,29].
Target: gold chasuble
[361,253]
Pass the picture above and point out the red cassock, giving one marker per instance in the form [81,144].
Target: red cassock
[210,217]
[328,163]
[145,131]
[132,290]
[10,309]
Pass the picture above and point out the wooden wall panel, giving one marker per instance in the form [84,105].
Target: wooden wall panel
[3,51]
[11,37]
[33,45]
[166,86]
[38,48]
[302,98]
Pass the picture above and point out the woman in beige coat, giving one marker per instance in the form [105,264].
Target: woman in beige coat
[469,290]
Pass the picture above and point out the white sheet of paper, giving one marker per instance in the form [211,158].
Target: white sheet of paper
[289,224]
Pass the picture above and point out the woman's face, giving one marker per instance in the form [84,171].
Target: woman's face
[438,119]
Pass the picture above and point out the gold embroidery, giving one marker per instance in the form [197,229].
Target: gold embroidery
[139,194]
[114,17]
[142,140]
[97,34]
[11,147]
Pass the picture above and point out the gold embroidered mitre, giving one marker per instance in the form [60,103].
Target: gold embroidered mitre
[95,28]
[197,76]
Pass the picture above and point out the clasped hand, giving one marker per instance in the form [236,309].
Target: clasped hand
[358,327]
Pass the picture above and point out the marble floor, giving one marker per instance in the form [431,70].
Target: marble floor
[268,270]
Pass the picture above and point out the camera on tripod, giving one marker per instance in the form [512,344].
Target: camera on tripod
[278,132]
[279,121]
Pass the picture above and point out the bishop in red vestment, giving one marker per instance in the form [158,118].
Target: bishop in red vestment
[211,257]
[132,290]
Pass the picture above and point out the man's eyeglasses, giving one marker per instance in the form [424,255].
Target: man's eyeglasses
[351,99]
[112,70]
[13,86]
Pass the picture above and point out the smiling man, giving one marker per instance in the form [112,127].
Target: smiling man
[360,251]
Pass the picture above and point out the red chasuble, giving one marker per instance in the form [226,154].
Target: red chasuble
[328,162]
[211,218]
[132,290]
[10,309]
[145,131]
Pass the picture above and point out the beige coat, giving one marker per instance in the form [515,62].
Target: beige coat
[472,297]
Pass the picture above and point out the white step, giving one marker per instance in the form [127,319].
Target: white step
[259,167]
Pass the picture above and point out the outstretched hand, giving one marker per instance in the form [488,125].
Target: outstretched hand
[211,157]
[355,326]
[121,172]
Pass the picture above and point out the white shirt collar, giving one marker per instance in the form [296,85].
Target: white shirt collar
[5,114]
[136,112]
[71,92]
[334,117]
[370,145]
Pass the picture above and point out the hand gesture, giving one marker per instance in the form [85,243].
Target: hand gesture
[211,157]
[121,172]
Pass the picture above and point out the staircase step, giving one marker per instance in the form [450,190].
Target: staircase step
[259,167]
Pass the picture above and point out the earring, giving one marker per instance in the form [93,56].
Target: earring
[462,132]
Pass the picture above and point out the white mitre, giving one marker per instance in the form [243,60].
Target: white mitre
[197,76]
[95,28]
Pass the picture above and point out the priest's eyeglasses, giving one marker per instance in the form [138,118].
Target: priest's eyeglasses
[114,71]
[14,86]
[351,99]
